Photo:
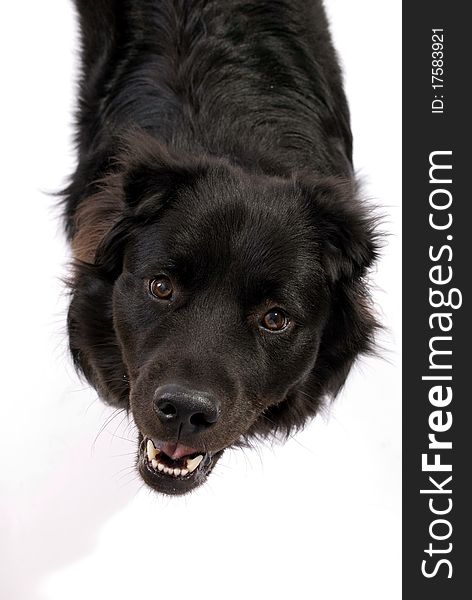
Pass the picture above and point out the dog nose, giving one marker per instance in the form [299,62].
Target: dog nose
[192,410]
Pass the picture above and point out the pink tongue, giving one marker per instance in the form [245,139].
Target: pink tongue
[176,451]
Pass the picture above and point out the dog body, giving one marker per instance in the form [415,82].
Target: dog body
[218,288]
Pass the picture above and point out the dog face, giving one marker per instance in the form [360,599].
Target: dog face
[218,305]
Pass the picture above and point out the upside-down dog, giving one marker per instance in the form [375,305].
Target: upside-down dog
[220,247]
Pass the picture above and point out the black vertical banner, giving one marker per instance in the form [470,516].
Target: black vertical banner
[437,266]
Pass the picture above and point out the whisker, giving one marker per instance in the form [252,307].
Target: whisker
[114,434]
[115,413]
[122,455]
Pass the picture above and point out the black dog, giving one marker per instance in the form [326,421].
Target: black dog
[220,248]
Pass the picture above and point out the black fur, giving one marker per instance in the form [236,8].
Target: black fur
[214,147]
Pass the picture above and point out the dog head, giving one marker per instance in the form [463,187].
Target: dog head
[216,304]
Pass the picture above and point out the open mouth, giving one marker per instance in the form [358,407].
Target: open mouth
[172,468]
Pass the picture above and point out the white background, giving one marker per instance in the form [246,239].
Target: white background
[316,518]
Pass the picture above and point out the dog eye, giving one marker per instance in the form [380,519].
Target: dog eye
[161,288]
[275,320]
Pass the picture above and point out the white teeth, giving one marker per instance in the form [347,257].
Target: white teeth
[151,451]
[192,463]
[153,457]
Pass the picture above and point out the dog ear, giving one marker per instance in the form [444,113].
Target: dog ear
[147,191]
[345,227]
[146,178]
[96,216]
[347,238]
[153,175]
